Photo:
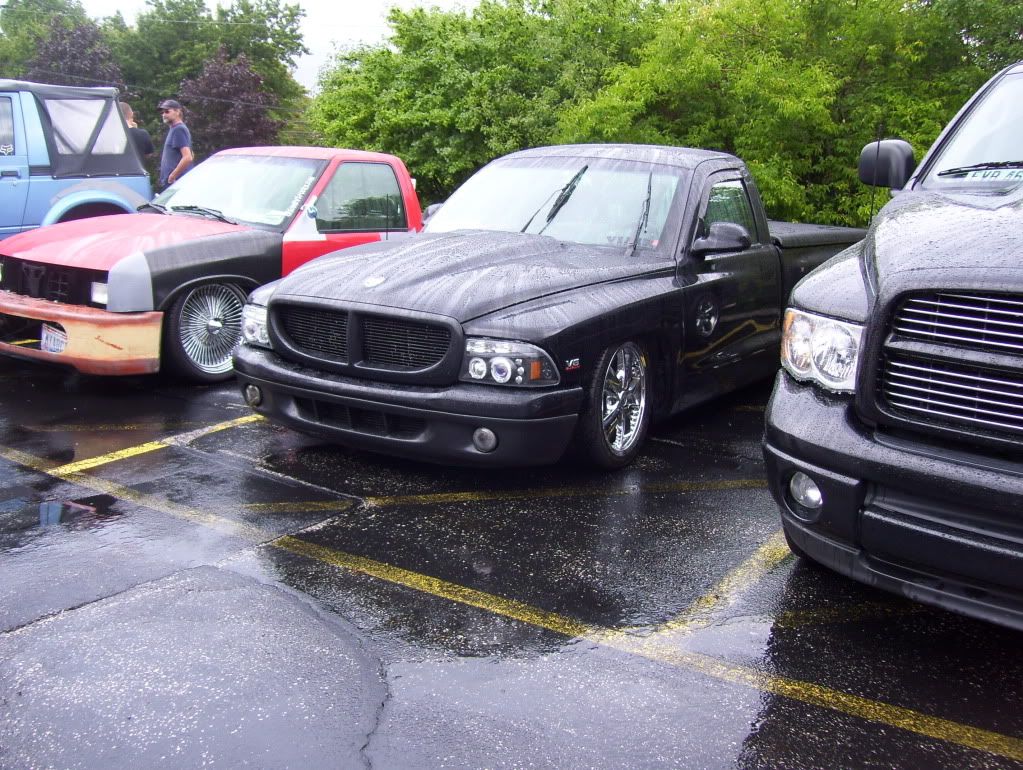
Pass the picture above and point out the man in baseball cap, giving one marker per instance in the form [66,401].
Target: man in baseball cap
[177,155]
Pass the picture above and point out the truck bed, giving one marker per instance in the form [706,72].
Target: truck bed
[805,246]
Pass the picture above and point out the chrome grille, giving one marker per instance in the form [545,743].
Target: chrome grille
[316,331]
[954,394]
[989,322]
[403,344]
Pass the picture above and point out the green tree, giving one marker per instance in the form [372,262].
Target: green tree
[451,91]
[795,87]
[24,24]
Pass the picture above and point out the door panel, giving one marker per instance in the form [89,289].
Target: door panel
[732,310]
[14,179]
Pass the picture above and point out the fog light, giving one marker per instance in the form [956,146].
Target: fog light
[253,395]
[805,491]
[484,439]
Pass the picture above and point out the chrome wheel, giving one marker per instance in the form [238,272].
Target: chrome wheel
[209,326]
[623,399]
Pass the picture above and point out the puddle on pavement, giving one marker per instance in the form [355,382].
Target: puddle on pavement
[19,515]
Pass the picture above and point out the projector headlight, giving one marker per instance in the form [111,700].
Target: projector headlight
[821,350]
[503,362]
[254,330]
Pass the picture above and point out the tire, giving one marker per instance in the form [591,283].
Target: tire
[201,330]
[614,425]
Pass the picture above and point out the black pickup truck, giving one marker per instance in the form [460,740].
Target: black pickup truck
[562,292]
[894,438]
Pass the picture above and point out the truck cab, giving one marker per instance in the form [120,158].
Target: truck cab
[894,440]
[64,154]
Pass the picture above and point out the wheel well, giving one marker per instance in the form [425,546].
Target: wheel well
[87,210]
[245,284]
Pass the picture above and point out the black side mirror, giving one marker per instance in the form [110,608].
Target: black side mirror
[430,210]
[887,163]
[722,237]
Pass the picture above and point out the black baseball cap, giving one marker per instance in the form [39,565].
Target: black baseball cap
[170,104]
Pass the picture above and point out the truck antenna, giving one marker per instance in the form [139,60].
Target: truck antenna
[877,156]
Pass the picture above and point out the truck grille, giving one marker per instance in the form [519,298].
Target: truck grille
[50,282]
[991,323]
[407,345]
[352,342]
[317,331]
[955,360]
[954,394]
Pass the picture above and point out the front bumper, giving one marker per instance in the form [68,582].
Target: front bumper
[940,526]
[436,424]
[97,341]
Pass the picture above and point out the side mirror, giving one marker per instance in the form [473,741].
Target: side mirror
[430,210]
[720,238]
[887,163]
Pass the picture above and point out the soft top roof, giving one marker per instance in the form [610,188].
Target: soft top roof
[49,91]
[313,153]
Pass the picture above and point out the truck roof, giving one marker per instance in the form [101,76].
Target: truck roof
[313,153]
[682,157]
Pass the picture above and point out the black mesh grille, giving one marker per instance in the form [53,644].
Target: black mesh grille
[404,344]
[992,323]
[50,282]
[316,331]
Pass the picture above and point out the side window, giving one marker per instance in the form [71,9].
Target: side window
[6,126]
[361,197]
[729,202]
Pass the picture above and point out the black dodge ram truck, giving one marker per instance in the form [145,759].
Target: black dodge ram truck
[562,292]
[894,439]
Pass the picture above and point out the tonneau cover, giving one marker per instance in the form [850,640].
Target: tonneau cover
[795,235]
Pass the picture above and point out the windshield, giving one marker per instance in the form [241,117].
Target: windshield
[986,151]
[251,189]
[592,201]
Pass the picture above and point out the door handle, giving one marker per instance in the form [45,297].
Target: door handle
[11,173]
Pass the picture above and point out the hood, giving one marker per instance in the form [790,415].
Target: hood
[99,243]
[462,275]
[926,240]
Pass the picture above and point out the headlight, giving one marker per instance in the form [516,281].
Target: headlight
[821,350]
[98,293]
[501,362]
[254,326]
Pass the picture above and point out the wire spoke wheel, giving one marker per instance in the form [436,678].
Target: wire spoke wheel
[209,327]
[623,399]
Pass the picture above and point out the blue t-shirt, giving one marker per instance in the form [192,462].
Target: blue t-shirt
[177,138]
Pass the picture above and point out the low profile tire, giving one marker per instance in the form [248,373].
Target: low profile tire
[202,329]
[614,425]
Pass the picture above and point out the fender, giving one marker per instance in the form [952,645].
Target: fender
[247,283]
[73,201]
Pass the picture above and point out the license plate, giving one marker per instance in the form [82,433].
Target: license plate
[52,339]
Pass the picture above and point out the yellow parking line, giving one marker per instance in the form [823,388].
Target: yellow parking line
[663,651]
[477,497]
[123,454]
[660,648]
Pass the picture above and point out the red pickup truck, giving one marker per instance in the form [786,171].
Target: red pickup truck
[164,289]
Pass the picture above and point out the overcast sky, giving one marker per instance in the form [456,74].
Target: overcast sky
[327,24]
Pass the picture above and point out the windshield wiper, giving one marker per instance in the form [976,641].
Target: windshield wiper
[563,196]
[646,212]
[219,215]
[989,165]
[154,206]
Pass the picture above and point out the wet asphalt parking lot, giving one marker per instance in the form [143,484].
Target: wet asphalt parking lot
[185,585]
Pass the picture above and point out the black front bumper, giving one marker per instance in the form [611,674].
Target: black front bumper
[938,525]
[436,424]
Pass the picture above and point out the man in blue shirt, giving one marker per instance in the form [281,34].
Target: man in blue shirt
[177,155]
